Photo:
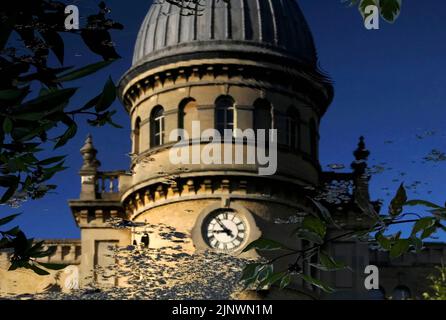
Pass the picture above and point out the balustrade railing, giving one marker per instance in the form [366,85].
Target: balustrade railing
[108,182]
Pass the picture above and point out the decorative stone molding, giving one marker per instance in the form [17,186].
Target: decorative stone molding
[95,214]
[67,252]
[159,193]
[294,84]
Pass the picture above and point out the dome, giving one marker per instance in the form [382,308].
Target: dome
[269,27]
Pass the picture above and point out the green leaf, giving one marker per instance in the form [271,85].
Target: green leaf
[90,104]
[383,241]
[272,279]
[53,266]
[422,224]
[397,203]
[44,91]
[327,263]
[69,133]
[7,180]
[309,236]
[400,247]
[12,95]
[13,232]
[424,203]
[38,270]
[8,24]
[265,271]
[46,253]
[108,96]
[20,243]
[286,280]
[29,116]
[103,119]
[113,124]
[51,160]
[55,42]
[45,104]
[439,213]
[442,227]
[265,245]
[4,243]
[364,4]
[256,272]
[7,125]
[35,248]
[84,71]
[19,264]
[250,271]
[316,283]
[16,165]
[315,225]
[9,193]
[428,232]
[51,170]
[417,244]
[30,131]
[8,219]
[323,212]
[390,9]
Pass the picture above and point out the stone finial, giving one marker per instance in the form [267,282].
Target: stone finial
[361,154]
[89,153]
[361,179]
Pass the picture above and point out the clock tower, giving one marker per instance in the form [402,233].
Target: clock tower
[229,65]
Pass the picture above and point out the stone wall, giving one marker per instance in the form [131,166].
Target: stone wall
[409,272]
[25,281]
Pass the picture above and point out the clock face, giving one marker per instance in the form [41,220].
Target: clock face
[225,231]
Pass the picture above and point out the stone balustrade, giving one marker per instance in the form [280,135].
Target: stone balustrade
[67,252]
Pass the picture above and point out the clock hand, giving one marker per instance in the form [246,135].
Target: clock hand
[225,229]
[221,223]
[221,231]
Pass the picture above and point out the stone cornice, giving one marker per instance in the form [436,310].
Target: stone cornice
[311,87]
[211,187]
[88,214]
[201,174]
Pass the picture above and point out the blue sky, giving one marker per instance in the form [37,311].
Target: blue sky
[389,87]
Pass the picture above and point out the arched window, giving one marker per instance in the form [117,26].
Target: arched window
[136,136]
[262,115]
[314,140]
[288,127]
[224,114]
[293,128]
[157,127]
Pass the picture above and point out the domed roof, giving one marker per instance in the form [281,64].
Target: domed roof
[272,27]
